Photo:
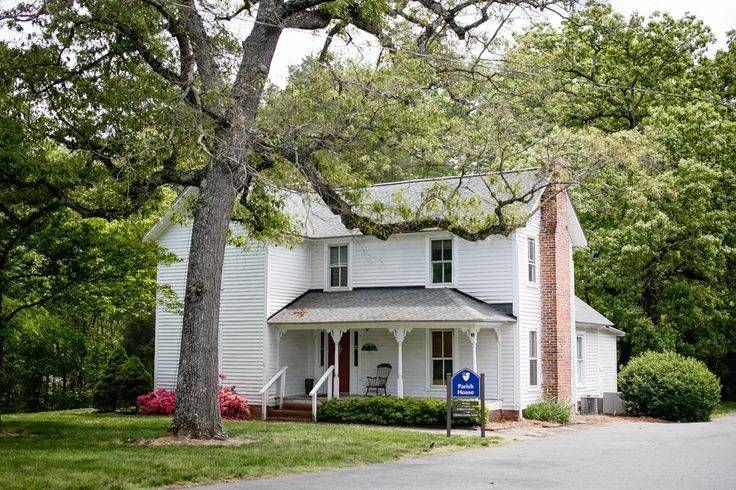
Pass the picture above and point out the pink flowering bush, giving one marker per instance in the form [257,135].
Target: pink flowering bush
[159,402]
[232,405]
[163,402]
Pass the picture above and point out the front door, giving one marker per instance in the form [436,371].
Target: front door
[344,347]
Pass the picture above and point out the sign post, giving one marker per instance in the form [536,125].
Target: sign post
[449,404]
[468,388]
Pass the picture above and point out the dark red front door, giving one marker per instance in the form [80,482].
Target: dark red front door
[344,347]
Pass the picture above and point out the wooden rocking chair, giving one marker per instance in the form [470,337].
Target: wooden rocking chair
[378,382]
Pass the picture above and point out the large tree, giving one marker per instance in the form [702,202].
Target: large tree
[661,226]
[157,92]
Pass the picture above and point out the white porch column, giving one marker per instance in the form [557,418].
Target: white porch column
[472,334]
[400,335]
[336,335]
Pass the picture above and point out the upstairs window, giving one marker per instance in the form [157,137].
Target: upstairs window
[339,266]
[441,261]
[533,358]
[531,254]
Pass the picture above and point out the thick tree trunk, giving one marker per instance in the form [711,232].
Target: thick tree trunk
[197,413]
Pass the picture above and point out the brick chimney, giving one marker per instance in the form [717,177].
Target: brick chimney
[556,341]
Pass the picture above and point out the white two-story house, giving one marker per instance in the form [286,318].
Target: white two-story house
[427,303]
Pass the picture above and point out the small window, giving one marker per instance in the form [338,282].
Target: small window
[531,253]
[441,356]
[533,359]
[321,349]
[441,261]
[339,266]
[355,348]
[580,350]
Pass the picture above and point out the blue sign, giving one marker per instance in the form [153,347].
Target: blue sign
[465,384]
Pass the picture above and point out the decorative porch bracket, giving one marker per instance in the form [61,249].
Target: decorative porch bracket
[336,335]
[472,333]
[400,335]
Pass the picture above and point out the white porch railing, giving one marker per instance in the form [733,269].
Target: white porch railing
[282,389]
[316,388]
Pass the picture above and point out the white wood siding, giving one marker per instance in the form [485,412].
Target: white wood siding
[609,361]
[599,363]
[242,314]
[288,278]
[529,309]
[482,269]
[168,323]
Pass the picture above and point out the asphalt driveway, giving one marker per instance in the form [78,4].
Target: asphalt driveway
[621,456]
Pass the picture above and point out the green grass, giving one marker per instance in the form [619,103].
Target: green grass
[724,408]
[82,449]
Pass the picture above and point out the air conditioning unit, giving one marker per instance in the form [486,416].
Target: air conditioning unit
[612,403]
[589,405]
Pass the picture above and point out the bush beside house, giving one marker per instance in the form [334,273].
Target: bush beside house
[669,386]
[549,410]
[163,402]
[122,380]
[389,410]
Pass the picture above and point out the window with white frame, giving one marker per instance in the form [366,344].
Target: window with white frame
[441,360]
[533,358]
[339,266]
[580,356]
[531,254]
[441,258]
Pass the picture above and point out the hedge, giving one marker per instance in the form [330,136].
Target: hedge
[389,410]
[669,386]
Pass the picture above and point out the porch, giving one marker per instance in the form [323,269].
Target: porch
[328,344]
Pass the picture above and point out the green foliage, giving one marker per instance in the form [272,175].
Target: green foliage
[132,381]
[549,410]
[669,386]
[106,393]
[389,410]
[122,380]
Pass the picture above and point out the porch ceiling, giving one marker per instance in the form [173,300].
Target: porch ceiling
[384,305]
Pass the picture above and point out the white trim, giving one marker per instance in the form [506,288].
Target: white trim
[428,259]
[326,263]
[529,358]
[429,358]
[580,363]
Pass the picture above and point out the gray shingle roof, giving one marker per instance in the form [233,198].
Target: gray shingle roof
[319,222]
[409,304]
[584,313]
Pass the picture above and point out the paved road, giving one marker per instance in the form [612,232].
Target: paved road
[622,456]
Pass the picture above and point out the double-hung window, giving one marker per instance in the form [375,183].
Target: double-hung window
[531,255]
[441,261]
[533,358]
[441,356]
[339,266]
[580,356]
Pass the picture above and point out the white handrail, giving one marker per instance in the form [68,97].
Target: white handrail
[282,388]
[316,388]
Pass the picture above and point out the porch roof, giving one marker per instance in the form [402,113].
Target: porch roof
[391,304]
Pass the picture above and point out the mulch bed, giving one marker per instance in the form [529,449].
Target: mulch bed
[184,441]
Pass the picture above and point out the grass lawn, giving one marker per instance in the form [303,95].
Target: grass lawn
[81,449]
[725,408]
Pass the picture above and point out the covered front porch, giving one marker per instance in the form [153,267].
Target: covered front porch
[329,344]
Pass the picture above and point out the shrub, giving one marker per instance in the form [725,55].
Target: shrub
[159,402]
[132,381]
[163,402]
[549,410]
[669,386]
[388,410]
[106,393]
[232,405]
